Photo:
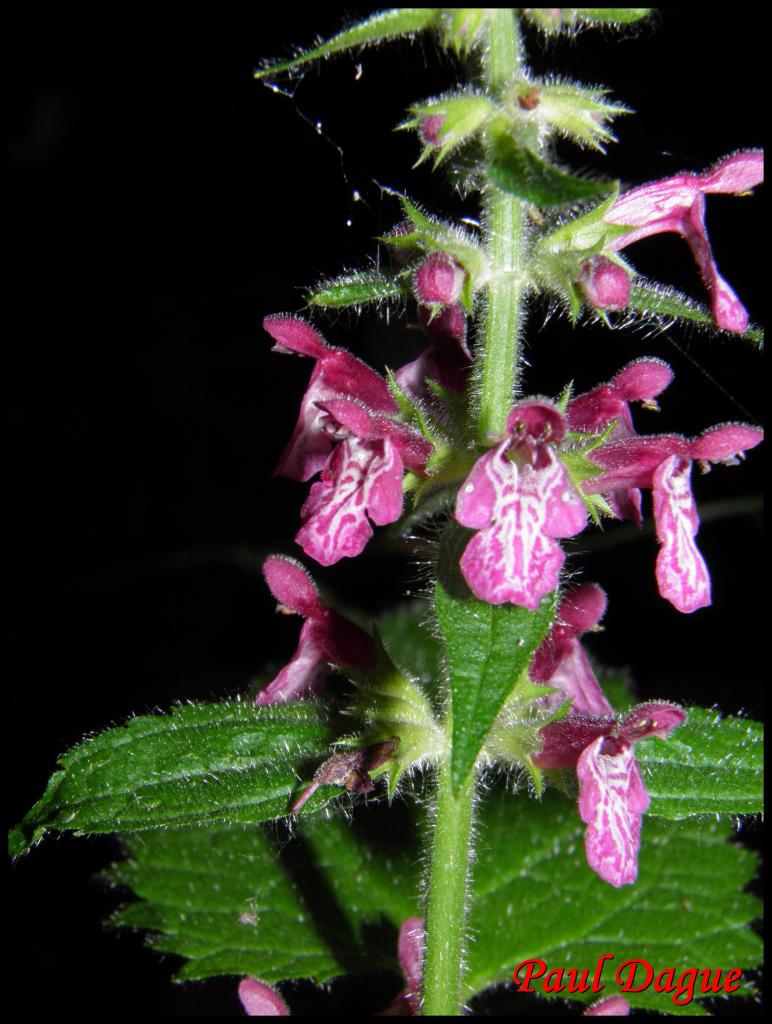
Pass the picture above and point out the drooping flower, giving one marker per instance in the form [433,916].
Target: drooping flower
[560,661]
[325,639]
[612,794]
[642,380]
[260,1000]
[678,204]
[446,359]
[611,1006]
[347,430]
[520,498]
[663,464]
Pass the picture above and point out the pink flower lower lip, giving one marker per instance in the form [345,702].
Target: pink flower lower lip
[519,510]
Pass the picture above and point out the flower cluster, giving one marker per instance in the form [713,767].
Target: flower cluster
[521,497]
[556,467]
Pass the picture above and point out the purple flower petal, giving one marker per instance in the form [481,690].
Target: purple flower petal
[725,442]
[611,1006]
[655,718]
[519,513]
[633,461]
[640,381]
[326,637]
[369,425]
[563,741]
[305,673]
[682,575]
[337,374]
[260,1000]
[560,661]
[292,586]
[410,950]
[678,204]
[612,800]
[361,477]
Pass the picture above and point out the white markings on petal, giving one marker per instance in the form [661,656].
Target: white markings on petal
[612,800]
[682,575]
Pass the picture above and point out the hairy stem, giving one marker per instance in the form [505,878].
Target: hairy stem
[503,217]
[447,897]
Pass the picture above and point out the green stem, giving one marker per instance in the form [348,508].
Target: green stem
[446,907]
[503,217]
[443,988]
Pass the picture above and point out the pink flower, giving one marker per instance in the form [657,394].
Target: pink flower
[663,464]
[612,794]
[678,204]
[410,950]
[446,359]
[640,381]
[347,430]
[520,499]
[611,1006]
[560,661]
[260,1000]
[326,637]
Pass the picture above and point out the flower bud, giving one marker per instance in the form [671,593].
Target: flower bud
[430,128]
[438,280]
[447,122]
[605,284]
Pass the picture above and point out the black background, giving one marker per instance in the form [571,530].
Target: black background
[162,203]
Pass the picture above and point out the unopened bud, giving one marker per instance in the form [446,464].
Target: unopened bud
[439,280]
[430,128]
[605,284]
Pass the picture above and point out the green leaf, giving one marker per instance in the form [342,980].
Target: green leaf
[409,639]
[535,897]
[566,19]
[517,170]
[612,15]
[248,901]
[357,288]
[487,649]
[709,766]
[392,705]
[463,115]
[199,764]
[401,21]
[667,306]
